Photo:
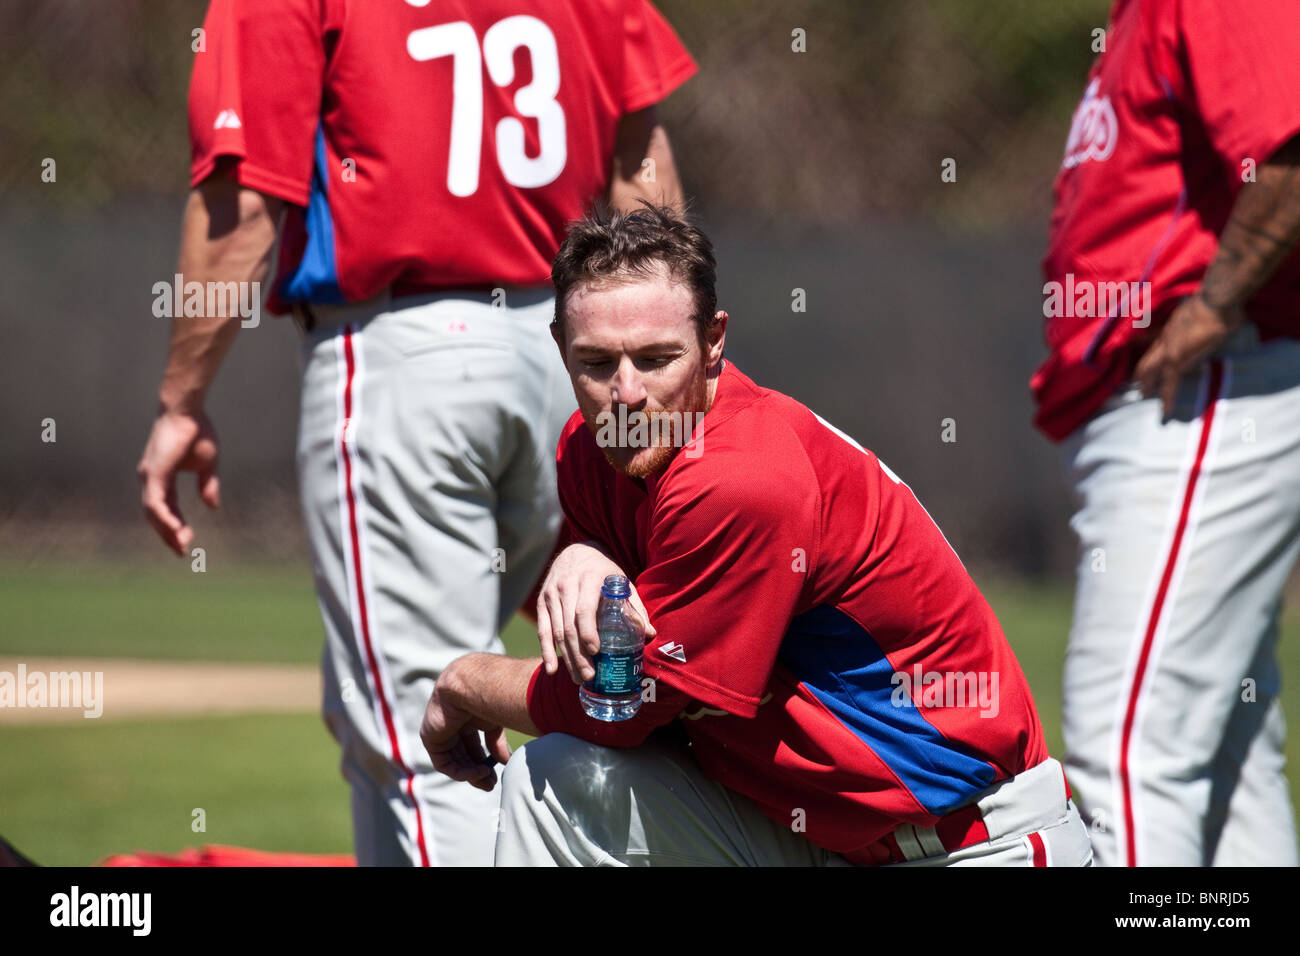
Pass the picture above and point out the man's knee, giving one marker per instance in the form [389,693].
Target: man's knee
[553,808]
[549,759]
[562,781]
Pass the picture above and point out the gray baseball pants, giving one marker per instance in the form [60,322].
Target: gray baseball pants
[1187,532]
[426,461]
[567,802]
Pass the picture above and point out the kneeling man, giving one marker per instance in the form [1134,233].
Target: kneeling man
[825,683]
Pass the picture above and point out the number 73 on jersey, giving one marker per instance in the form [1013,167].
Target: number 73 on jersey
[535,100]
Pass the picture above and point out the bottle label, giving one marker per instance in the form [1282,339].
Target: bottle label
[617,674]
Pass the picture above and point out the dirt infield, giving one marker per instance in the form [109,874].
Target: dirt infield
[60,689]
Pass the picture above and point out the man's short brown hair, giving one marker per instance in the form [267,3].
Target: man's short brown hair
[611,245]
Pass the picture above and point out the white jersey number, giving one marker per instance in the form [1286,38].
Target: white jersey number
[536,100]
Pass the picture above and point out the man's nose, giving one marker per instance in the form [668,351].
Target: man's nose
[627,387]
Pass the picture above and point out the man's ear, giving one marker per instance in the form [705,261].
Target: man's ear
[717,338]
[557,334]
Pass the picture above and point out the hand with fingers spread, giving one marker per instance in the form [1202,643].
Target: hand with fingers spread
[1194,330]
[451,736]
[178,442]
[566,609]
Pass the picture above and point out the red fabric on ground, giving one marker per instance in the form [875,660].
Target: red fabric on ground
[228,856]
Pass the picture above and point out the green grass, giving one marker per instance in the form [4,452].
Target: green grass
[1036,621]
[168,612]
[161,611]
[73,794]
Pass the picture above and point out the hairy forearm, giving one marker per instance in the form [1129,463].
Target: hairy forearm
[1263,228]
[493,688]
[227,235]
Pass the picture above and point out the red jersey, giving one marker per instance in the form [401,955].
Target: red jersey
[426,146]
[818,639]
[1187,97]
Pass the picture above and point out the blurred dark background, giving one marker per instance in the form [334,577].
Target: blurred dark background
[816,170]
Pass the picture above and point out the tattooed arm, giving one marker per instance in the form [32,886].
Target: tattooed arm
[1263,228]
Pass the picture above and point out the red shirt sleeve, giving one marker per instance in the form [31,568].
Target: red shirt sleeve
[656,62]
[554,707]
[255,93]
[731,544]
[1240,73]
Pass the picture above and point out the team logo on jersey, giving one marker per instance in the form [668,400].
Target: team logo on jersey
[227,119]
[674,650]
[1093,131]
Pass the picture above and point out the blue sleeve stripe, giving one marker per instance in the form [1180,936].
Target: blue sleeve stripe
[841,664]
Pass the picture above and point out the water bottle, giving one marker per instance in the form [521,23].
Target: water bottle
[615,692]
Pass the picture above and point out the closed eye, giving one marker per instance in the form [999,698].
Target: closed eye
[651,362]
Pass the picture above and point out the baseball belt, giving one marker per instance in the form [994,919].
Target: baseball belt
[1032,800]
[313,315]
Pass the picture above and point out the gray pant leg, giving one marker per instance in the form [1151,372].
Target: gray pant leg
[445,407]
[567,802]
[1130,473]
[528,506]
[1119,536]
[1251,821]
[384,831]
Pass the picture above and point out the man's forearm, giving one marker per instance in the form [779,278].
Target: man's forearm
[493,688]
[1263,228]
[643,166]
[227,235]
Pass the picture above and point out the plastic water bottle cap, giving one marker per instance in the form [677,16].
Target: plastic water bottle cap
[616,586]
